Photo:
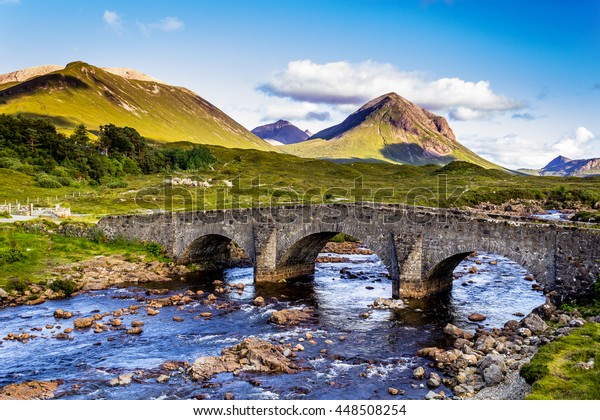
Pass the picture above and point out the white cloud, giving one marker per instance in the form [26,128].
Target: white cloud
[344,83]
[168,24]
[577,145]
[113,20]
[513,151]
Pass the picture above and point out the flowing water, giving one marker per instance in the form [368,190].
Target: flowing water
[378,352]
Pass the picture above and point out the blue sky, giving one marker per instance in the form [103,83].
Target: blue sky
[518,80]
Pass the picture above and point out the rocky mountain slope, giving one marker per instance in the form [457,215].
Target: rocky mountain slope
[84,94]
[389,128]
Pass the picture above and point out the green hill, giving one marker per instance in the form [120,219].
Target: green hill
[83,94]
[390,129]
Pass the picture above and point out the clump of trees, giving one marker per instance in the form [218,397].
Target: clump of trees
[33,146]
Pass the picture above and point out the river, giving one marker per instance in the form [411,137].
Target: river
[378,352]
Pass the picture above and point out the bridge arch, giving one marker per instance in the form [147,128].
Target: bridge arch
[214,251]
[298,258]
[438,274]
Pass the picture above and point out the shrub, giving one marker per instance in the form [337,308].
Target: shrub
[64,181]
[68,287]
[17,284]
[5,215]
[48,181]
[118,184]
[153,249]
[11,256]
[10,163]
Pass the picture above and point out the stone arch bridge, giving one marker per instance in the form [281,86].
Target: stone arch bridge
[419,246]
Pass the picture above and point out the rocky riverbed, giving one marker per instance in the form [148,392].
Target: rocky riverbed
[334,336]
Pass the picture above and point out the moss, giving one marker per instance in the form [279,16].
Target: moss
[553,369]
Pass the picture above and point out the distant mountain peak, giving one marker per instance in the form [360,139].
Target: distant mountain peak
[280,132]
[564,166]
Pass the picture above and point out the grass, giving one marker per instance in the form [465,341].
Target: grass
[38,253]
[269,178]
[554,372]
[5,215]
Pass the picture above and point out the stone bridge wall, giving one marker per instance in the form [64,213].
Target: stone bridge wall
[419,246]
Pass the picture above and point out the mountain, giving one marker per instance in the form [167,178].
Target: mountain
[563,166]
[389,128]
[84,94]
[281,132]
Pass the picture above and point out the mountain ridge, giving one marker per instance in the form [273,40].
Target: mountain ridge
[84,94]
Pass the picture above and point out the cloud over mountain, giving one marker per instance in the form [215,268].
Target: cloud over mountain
[343,83]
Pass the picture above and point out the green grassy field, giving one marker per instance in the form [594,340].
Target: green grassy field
[277,179]
[29,256]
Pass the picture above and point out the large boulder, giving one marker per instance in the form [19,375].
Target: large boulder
[492,359]
[493,375]
[534,323]
[290,317]
[3,294]
[251,355]
[545,311]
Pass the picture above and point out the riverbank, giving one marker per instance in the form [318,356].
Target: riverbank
[487,364]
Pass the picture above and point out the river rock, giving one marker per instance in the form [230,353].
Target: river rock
[577,322]
[30,390]
[116,322]
[83,322]
[259,301]
[485,343]
[534,323]
[135,324]
[434,380]
[563,319]
[393,391]
[430,395]
[465,360]
[59,313]
[135,331]
[419,373]
[250,355]
[477,317]
[457,332]
[545,311]
[177,319]
[162,379]
[121,380]
[493,375]
[290,317]
[152,312]
[492,359]
[383,303]
[3,294]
